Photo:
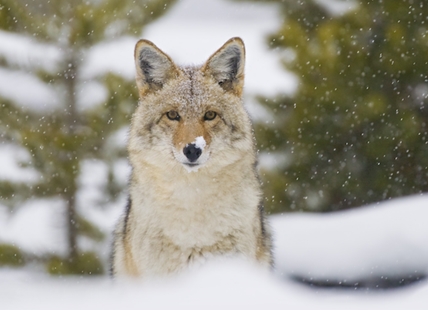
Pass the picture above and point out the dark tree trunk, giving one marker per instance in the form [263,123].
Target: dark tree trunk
[72,122]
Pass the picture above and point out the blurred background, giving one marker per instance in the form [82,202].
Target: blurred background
[337,91]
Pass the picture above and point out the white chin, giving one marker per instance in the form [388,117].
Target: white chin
[192,168]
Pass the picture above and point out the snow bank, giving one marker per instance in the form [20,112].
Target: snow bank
[389,239]
[233,284]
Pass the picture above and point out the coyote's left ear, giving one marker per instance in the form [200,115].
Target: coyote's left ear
[226,66]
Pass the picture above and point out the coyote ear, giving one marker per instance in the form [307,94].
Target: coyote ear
[154,67]
[226,65]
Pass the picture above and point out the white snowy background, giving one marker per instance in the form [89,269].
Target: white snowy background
[388,240]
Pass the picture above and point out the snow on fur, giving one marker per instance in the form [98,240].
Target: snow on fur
[200,143]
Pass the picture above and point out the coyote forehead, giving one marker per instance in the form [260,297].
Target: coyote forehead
[190,92]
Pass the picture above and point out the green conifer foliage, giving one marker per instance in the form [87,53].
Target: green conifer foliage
[355,131]
[61,139]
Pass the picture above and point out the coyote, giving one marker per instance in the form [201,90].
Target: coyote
[194,190]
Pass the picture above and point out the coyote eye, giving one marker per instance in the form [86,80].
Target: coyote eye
[173,115]
[210,115]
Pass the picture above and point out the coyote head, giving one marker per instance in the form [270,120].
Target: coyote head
[190,117]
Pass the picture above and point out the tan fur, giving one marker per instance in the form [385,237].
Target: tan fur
[181,213]
[187,132]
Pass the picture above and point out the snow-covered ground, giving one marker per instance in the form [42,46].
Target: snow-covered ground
[372,245]
[229,285]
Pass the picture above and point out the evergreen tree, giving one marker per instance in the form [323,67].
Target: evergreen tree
[355,131]
[60,140]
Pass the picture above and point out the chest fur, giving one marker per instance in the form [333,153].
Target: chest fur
[194,212]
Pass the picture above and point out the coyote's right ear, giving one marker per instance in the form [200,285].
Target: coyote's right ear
[154,67]
[227,65]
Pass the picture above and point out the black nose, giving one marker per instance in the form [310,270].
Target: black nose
[192,152]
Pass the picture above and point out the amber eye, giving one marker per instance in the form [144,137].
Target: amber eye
[173,115]
[210,115]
